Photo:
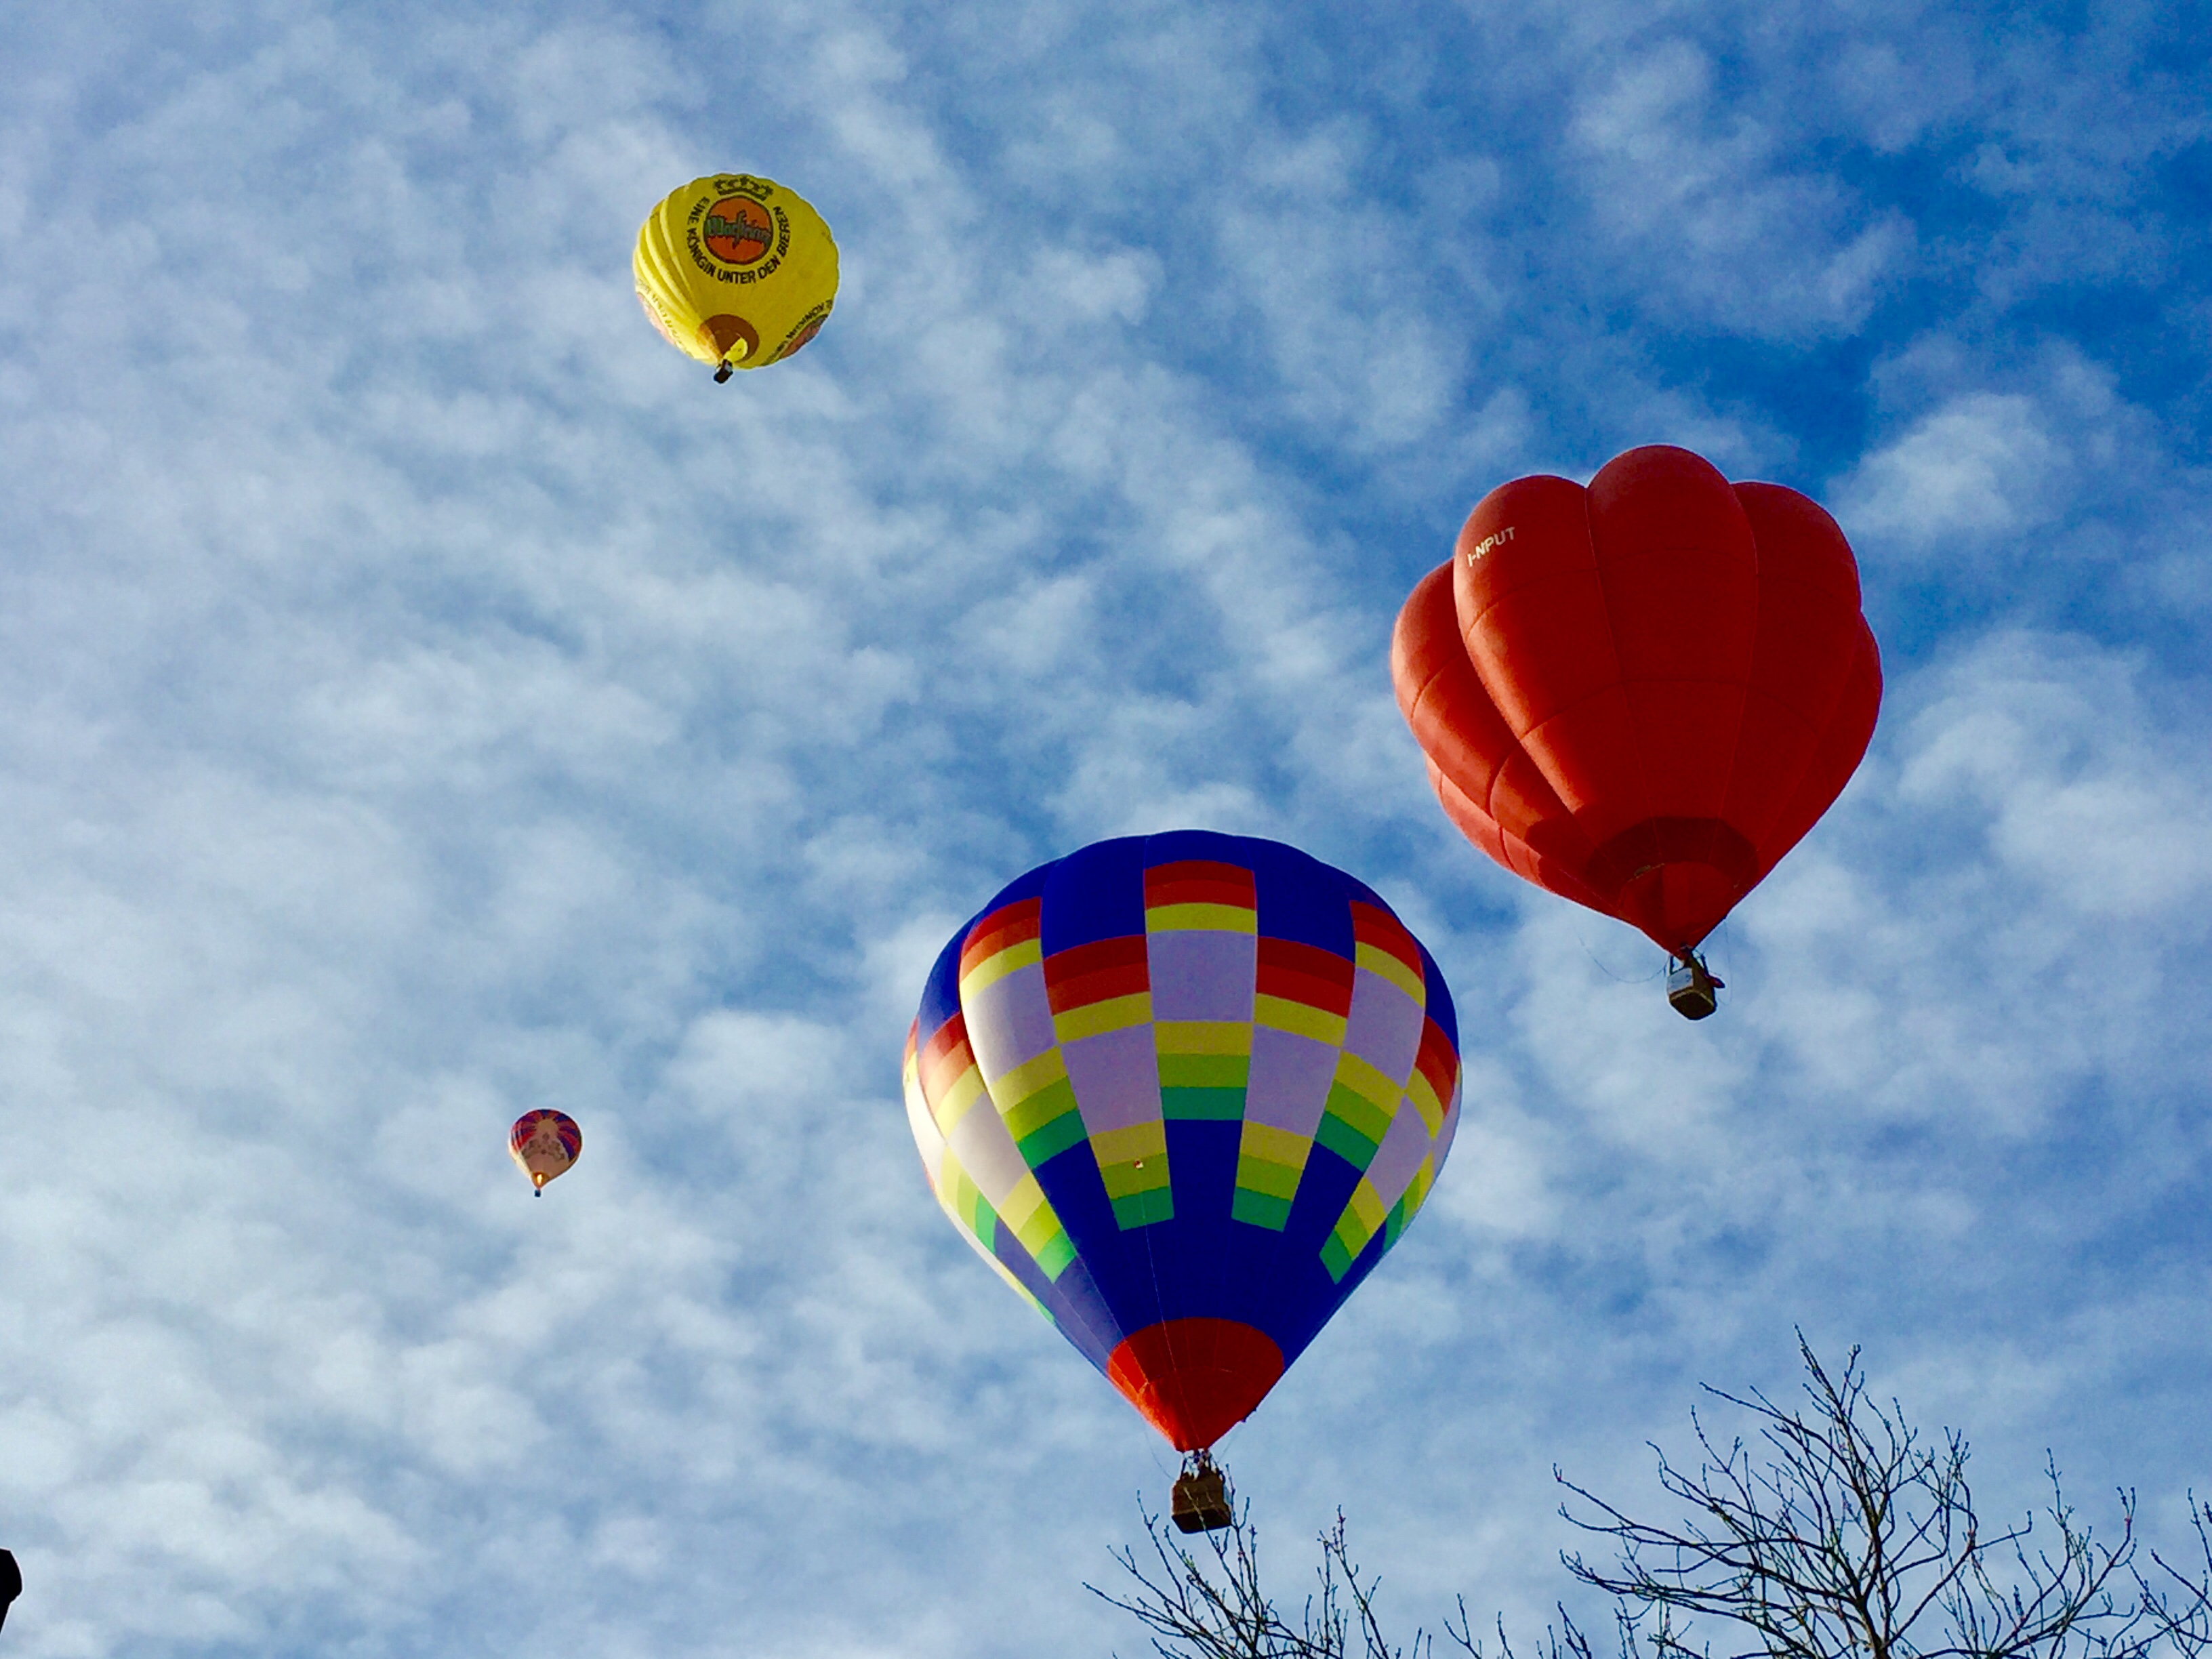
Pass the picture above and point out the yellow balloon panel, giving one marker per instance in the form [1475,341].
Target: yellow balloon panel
[736,270]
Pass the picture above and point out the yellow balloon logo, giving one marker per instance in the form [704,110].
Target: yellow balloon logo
[738,231]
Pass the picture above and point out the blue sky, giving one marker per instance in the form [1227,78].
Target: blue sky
[423,696]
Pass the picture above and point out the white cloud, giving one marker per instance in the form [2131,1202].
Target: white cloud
[1980,465]
[2088,801]
[427,696]
[1703,205]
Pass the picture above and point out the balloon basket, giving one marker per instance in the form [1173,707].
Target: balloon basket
[1201,1500]
[1691,988]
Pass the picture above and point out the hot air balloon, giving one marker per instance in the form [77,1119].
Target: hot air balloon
[736,271]
[12,1582]
[1182,1091]
[545,1143]
[1640,695]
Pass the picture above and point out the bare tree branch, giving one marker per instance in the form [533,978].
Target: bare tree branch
[1211,1605]
[1837,1533]
[1848,1538]
[2180,1605]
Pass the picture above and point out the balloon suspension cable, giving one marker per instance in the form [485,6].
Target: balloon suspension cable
[1618,979]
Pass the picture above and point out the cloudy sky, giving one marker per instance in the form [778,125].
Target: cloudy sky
[425,695]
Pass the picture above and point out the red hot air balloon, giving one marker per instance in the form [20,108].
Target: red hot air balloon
[1640,695]
[545,1143]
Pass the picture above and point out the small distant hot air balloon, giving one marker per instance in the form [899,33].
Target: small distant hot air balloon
[1642,694]
[1184,1091]
[735,271]
[545,1143]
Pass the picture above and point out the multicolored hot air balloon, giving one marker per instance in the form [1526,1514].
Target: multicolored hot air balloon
[1184,1091]
[545,1143]
[735,271]
[1640,695]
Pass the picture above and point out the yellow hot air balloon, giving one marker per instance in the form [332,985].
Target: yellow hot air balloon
[736,270]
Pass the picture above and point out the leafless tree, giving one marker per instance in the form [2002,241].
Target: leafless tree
[1845,1536]
[1208,1603]
[1839,1534]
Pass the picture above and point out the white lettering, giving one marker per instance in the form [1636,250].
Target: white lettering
[1475,553]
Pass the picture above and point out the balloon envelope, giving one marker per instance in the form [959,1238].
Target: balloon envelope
[545,1143]
[1184,1091]
[736,270]
[1642,694]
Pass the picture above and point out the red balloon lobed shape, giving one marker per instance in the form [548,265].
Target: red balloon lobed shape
[1640,695]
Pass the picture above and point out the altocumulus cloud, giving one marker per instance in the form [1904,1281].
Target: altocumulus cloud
[426,697]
